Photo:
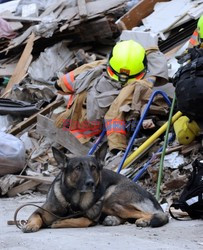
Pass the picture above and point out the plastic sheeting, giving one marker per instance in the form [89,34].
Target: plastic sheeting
[12,154]
[50,62]
[6,30]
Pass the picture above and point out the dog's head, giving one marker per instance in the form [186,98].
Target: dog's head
[82,173]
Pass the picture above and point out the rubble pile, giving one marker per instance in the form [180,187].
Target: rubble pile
[42,40]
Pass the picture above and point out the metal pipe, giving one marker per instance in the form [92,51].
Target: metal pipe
[164,150]
[149,141]
[93,148]
[130,144]
[146,165]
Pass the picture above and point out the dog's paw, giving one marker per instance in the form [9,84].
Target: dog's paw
[112,221]
[56,224]
[142,222]
[30,228]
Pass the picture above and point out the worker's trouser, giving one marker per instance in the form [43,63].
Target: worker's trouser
[115,117]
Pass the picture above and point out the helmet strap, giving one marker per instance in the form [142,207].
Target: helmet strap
[123,77]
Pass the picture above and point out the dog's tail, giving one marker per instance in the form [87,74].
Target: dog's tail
[159,219]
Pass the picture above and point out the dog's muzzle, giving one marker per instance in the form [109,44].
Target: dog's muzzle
[89,186]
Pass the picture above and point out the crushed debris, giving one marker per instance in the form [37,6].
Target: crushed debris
[42,41]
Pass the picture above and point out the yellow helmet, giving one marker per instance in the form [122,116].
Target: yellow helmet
[127,61]
[200,27]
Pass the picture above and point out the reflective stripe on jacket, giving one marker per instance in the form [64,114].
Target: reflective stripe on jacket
[68,80]
[194,39]
[115,126]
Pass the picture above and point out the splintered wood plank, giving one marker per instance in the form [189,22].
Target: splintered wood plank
[42,179]
[82,8]
[22,187]
[46,127]
[135,15]
[21,19]
[22,65]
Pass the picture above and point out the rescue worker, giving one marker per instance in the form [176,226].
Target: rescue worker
[188,83]
[100,92]
[195,44]
[197,37]
[140,75]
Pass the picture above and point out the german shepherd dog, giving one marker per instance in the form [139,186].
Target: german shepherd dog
[89,195]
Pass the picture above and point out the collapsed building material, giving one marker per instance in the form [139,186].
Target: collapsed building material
[134,16]
[71,23]
[21,67]
[179,25]
[46,127]
[31,120]
[67,18]
[50,62]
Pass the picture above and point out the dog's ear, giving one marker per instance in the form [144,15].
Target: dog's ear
[99,160]
[59,157]
[101,153]
[101,164]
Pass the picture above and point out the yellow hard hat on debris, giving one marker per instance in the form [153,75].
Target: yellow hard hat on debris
[127,61]
[185,130]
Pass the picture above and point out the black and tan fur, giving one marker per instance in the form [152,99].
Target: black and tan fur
[92,194]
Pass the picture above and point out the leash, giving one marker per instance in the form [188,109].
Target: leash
[176,217]
[21,223]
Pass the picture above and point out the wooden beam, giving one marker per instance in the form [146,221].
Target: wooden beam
[46,127]
[135,15]
[22,65]
[82,8]
[42,179]
[33,119]
[50,9]
[22,188]
[21,19]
